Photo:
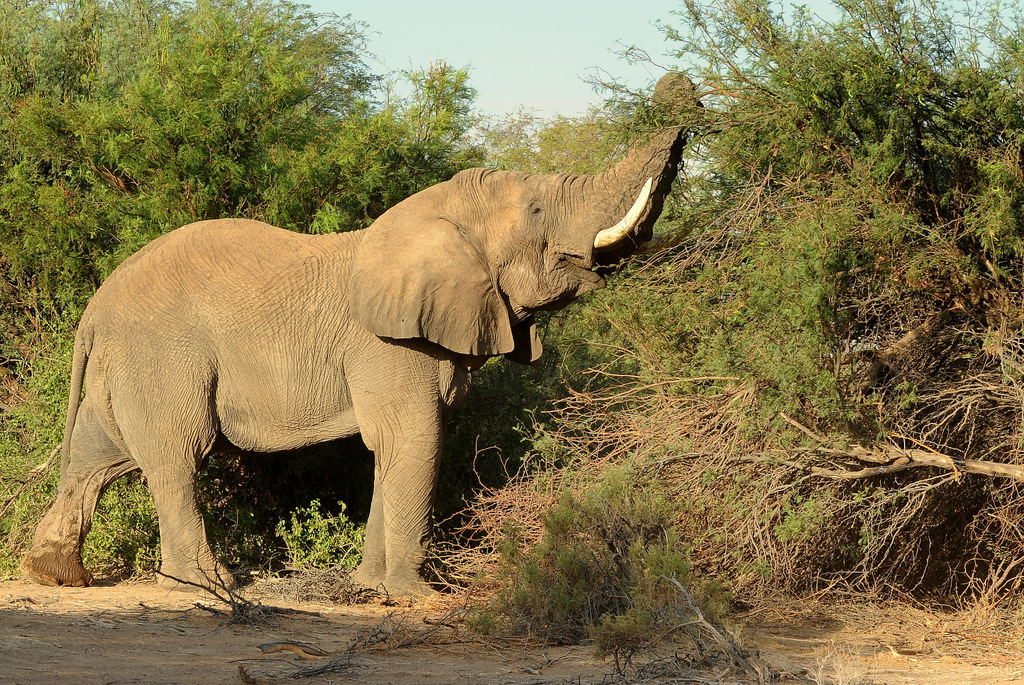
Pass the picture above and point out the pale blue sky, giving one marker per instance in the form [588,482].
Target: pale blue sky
[535,54]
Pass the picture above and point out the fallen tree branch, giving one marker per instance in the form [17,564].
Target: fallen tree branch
[985,468]
[834,473]
[892,459]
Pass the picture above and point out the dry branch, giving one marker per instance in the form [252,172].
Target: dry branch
[37,472]
[892,459]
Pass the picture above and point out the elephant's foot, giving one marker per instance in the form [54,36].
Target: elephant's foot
[183,579]
[51,568]
[373,577]
[368,575]
[407,585]
[373,574]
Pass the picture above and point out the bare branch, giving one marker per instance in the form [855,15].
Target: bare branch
[893,459]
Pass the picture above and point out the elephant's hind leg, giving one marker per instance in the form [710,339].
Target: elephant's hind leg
[169,453]
[94,463]
[187,562]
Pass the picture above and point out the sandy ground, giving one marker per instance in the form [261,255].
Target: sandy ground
[137,633]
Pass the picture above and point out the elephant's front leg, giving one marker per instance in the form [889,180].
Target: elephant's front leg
[406,468]
[400,419]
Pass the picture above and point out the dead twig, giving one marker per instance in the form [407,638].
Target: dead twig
[300,649]
[392,633]
[242,610]
[748,661]
[34,474]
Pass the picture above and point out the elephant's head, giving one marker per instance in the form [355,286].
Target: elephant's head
[467,262]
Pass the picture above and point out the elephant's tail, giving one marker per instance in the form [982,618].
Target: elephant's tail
[78,363]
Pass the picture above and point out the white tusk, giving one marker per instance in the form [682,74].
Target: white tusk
[611,236]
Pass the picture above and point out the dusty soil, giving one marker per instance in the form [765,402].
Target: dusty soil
[137,633]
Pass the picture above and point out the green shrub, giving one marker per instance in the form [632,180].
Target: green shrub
[33,399]
[605,569]
[24,500]
[125,536]
[316,539]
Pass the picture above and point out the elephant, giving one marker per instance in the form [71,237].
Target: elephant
[232,329]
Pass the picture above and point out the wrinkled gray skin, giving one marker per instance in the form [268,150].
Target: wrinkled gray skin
[273,340]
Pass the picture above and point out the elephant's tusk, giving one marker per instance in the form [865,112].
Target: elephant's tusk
[611,236]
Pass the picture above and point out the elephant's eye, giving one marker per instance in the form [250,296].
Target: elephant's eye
[535,210]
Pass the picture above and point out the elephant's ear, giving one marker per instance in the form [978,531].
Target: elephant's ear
[426,280]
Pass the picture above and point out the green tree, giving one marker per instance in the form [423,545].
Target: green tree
[101,154]
[524,141]
[382,156]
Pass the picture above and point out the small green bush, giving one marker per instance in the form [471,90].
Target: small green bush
[33,400]
[125,536]
[603,570]
[316,539]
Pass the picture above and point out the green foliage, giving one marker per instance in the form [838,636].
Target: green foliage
[179,113]
[523,141]
[802,518]
[849,161]
[32,396]
[25,497]
[125,537]
[600,569]
[316,539]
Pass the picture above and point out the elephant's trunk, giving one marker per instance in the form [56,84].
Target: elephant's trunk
[653,165]
[635,189]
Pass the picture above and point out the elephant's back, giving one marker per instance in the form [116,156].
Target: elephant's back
[226,273]
[208,256]
[214,248]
